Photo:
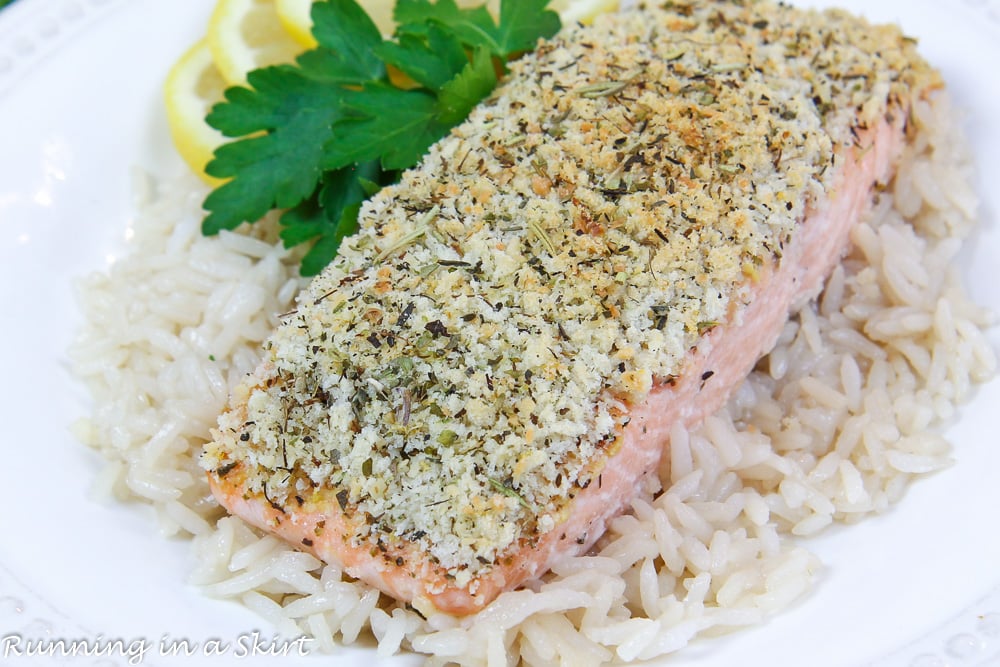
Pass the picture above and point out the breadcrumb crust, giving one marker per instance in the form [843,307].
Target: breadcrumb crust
[466,365]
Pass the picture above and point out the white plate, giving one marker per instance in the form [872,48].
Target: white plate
[80,104]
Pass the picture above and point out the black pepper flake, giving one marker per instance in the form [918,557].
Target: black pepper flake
[342,499]
[226,469]
[437,328]
[405,315]
[399,561]
[373,339]
[306,541]
[244,437]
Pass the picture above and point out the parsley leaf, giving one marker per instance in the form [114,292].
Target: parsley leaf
[331,213]
[472,25]
[328,241]
[320,136]
[384,122]
[348,40]
[431,62]
[458,97]
[282,166]
[522,23]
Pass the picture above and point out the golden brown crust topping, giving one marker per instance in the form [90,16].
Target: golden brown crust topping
[463,368]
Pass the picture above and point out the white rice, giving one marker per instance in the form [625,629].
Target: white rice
[831,427]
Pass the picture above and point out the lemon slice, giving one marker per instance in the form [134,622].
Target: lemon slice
[247,34]
[294,14]
[192,86]
[583,11]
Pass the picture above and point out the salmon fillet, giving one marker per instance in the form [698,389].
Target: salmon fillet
[493,364]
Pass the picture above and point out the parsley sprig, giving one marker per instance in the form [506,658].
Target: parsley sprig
[318,137]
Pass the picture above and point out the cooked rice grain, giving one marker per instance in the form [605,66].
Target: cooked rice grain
[832,426]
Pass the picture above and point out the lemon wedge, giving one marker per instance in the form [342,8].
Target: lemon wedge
[294,14]
[192,86]
[247,34]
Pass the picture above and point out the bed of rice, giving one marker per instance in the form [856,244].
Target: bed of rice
[832,426]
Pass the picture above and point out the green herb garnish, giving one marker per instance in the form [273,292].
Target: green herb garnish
[318,137]
[508,491]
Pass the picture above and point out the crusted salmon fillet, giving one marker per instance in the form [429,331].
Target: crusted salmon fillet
[489,369]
